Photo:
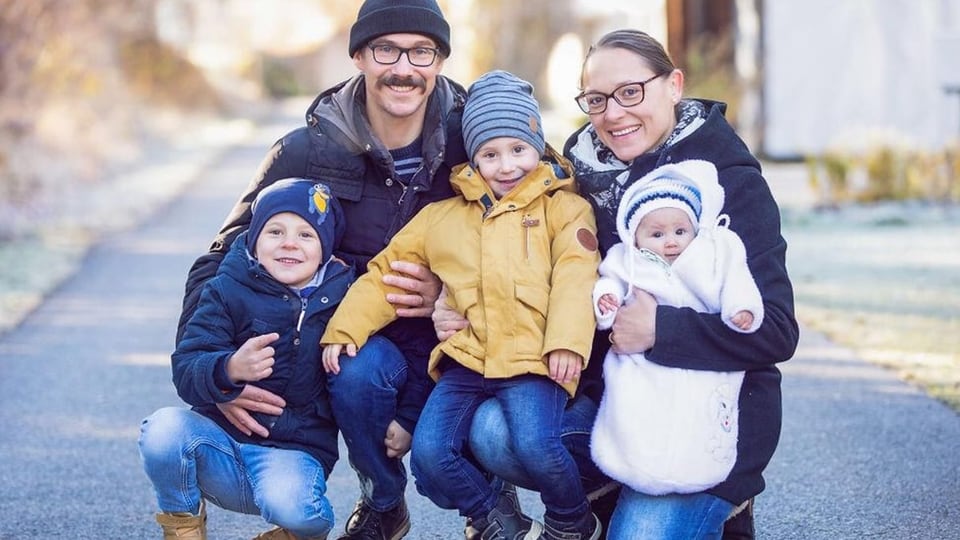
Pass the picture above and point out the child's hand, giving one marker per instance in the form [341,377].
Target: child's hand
[253,360]
[608,303]
[742,320]
[564,365]
[331,356]
[397,441]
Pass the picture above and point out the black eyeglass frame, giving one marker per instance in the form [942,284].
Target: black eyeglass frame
[585,107]
[402,51]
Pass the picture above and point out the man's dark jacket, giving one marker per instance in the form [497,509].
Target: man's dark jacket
[338,148]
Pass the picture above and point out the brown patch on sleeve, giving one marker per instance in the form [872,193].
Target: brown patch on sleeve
[587,239]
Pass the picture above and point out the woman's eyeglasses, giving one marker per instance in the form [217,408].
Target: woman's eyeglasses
[626,95]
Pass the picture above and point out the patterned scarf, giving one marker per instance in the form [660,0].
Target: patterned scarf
[602,177]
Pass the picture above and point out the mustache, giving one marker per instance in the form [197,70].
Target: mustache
[395,80]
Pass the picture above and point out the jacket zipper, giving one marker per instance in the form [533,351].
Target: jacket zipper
[527,222]
[303,312]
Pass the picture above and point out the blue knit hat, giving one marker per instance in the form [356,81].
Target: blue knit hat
[308,199]
[668,187]
[499,104]
[380,17]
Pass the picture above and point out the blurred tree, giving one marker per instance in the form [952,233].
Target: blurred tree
[518,36]
[71,95]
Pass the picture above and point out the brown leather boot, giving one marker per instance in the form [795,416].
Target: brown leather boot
[184,525]
[279,533]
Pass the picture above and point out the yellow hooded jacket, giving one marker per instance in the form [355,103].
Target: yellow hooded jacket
[520,269]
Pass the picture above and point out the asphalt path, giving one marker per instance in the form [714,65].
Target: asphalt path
[862,454]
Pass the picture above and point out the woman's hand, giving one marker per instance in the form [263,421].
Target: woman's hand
[446,320]
[421,285]
[635,327]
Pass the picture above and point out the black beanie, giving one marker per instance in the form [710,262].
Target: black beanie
[379,17]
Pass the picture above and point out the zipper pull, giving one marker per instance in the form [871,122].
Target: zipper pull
[526,223]
[303,312]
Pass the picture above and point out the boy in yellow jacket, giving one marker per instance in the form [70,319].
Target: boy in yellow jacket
[517,252]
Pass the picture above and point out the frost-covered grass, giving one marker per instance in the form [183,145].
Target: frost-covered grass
[884,280]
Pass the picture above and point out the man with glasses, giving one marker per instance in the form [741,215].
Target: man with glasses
[384,142]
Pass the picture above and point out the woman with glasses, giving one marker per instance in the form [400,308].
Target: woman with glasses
[639,120]
[632,94]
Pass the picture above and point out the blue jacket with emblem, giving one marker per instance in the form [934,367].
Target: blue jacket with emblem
[243,301]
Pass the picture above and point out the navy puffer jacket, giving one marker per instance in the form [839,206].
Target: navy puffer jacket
[244,301]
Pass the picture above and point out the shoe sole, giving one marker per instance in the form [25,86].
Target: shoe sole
[404,529]
[536,530]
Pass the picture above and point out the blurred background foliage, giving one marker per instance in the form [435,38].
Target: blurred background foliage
[87,86]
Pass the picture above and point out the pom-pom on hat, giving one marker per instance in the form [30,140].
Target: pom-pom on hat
[379,17]
[499,104]
[676,185]
[308,199]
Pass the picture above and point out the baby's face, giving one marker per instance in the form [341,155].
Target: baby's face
[666,232]
[504,161]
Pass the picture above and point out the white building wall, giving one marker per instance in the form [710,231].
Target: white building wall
[847,72]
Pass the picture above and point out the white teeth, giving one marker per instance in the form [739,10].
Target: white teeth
[624,131]
[402,88]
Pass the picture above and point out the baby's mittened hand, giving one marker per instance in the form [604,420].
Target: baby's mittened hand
[743,320]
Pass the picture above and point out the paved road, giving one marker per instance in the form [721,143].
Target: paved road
[863,455]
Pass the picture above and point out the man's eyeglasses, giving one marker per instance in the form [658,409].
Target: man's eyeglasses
[386,54]
[626,95]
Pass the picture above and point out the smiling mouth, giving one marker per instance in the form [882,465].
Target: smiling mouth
[625,131]
[402,84]
[285,260]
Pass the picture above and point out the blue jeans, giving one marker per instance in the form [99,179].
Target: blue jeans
[188,456]
[649,517]
[489,430]
[364,398]
[532,407]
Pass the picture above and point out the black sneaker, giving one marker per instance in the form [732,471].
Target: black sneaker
[505,522]
[603,501]
[509,499]
[365,523]
[739,526]
[586,528]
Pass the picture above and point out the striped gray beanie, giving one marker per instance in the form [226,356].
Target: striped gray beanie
[500,104]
